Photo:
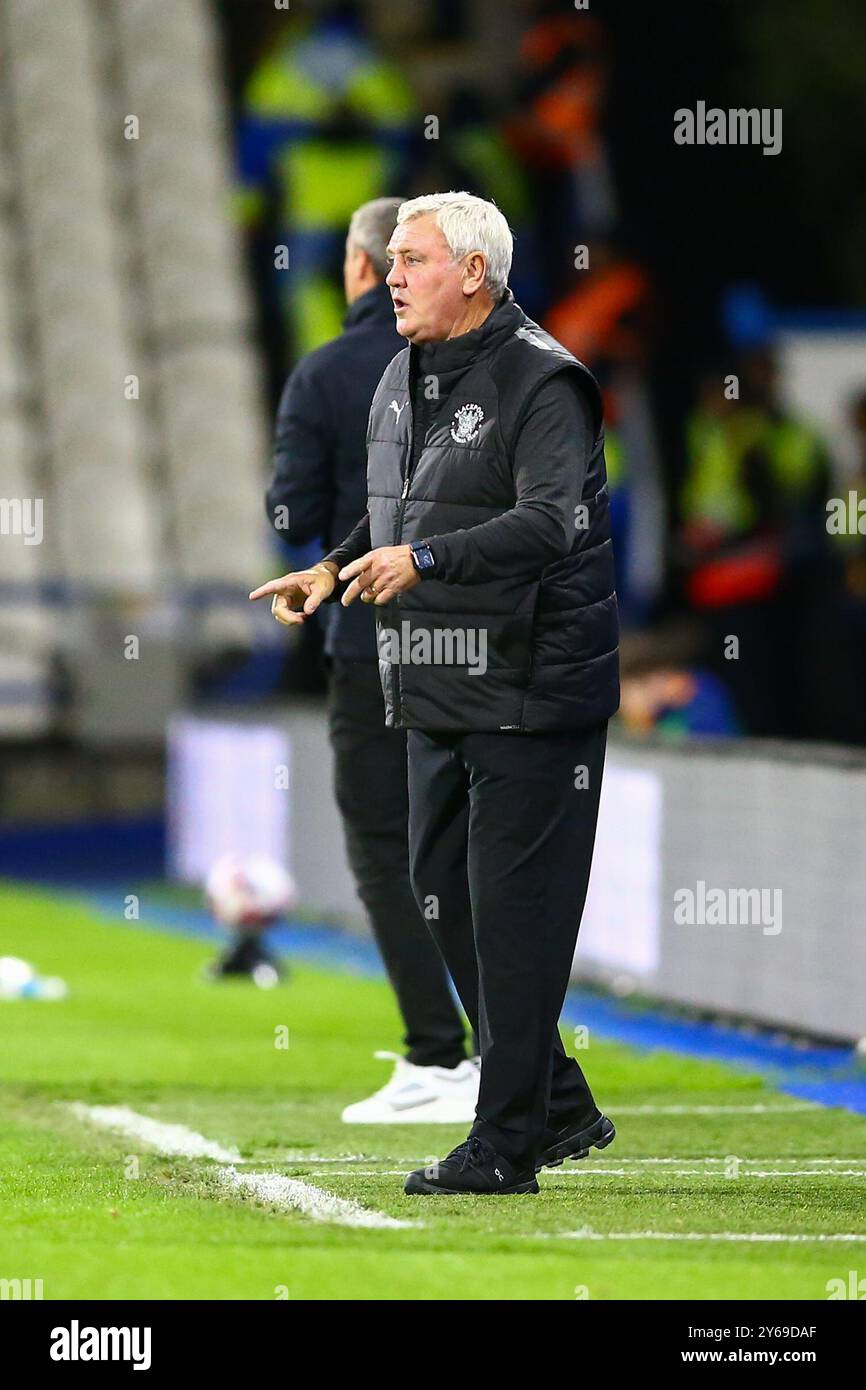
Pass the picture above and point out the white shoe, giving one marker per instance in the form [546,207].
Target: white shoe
[420,1096]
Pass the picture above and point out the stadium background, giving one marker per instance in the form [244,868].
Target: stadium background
[175,186]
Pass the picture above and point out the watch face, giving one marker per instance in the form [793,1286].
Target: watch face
[424,558]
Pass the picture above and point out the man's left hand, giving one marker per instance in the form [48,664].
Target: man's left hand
[380,575]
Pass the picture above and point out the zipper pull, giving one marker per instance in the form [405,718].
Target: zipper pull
[405,489]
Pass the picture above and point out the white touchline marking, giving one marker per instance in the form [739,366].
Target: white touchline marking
[176,1141]
[280,1191]
[300,1156]
[747,1237]
[804,1173]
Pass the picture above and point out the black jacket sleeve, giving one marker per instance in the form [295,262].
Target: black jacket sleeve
[356,544]
[551,455]
[300,498]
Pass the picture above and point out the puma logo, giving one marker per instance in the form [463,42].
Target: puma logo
[396,408]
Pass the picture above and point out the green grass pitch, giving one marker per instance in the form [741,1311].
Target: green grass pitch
[95,1215]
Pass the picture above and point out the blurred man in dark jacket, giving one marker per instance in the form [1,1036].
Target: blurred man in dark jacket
[318,492]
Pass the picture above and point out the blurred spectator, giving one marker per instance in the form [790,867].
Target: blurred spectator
[752,541]
[847,621]
[605,320]
[474,153]
[556,124]
[324,127]
[666,689]
[598,299]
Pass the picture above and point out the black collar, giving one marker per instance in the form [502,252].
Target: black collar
[455,354]
[372,306]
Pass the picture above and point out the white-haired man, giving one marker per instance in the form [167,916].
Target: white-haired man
[487,533]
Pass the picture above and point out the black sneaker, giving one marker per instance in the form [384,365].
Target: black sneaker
[574,1141]
[473,1168]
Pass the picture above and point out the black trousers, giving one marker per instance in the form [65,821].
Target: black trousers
[370,784]
[501,834]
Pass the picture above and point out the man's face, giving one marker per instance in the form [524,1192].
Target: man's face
[426,284]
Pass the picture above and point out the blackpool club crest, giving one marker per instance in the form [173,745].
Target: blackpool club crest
[466,423]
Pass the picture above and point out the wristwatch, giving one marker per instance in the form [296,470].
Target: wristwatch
[423,559]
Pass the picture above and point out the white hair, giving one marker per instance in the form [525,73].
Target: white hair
[468,224]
